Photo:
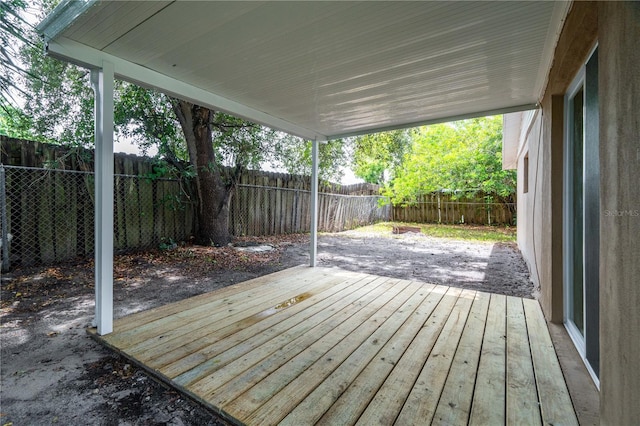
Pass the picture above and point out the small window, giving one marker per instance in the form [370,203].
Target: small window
[525,176]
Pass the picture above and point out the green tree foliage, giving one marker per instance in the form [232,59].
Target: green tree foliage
[13,34]
[463,157]
[294,155]
[380,155]
[14,123]
[59,104]
[59,100]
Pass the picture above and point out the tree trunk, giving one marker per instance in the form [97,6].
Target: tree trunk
[212,192]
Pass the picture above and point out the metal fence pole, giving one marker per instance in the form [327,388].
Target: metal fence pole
[6,264]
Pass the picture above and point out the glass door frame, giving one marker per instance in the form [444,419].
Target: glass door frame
[568,246]
[587,341]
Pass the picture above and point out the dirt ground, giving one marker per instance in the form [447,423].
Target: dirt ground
[52,372]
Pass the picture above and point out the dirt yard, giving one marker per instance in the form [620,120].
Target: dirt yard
[52,372]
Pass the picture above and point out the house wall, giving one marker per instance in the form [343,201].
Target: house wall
[540,210]
[616,28]
[530,203]
[619,93]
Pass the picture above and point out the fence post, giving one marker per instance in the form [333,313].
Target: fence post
[6,264]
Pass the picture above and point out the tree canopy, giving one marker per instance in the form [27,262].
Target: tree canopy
[197,141]
[14,31]
[462,157]
[377,157]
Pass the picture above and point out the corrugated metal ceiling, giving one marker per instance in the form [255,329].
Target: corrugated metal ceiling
[336,68]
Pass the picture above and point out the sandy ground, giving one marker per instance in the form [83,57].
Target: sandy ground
[52,372]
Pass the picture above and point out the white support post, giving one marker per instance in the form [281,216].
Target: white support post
[102,81]
[313,249]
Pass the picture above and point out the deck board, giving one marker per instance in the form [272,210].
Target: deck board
[324,334]
[522,398]
[273,338]
[327,346]
[352,355]
[454,405]
[336,346]
[489,397]
[552,388]
[420,395]
[253,330]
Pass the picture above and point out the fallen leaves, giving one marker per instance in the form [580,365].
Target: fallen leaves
[39,287]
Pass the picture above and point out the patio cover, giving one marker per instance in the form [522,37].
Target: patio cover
[318,70]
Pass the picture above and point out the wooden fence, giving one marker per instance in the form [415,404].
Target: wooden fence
[267,210]
[17,152]
[50,213]
[445,208]
[48,206]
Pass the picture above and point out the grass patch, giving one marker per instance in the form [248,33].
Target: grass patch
[455,232]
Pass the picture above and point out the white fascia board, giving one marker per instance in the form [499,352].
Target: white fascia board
[62,17]
[85,56]
[444,119]
[558,16]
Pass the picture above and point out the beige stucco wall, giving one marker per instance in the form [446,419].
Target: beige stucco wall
[619,103]
[616,27]
[540,210]
[529,203]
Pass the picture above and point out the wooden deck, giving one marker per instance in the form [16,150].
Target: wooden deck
[326,346]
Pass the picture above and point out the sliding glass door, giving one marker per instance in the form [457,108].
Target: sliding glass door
[582,214]
[575,154]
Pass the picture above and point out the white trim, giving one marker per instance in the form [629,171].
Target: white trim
[568,212]
[313,249]
[594,376]
[578,339]
[443,119]
[591,52]
[559,15]
[103,81]
[63,16]
[80,54]
[579,343]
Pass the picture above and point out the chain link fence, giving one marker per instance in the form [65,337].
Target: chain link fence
[48,214]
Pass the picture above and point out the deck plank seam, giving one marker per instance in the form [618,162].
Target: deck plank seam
[149,331]
[323,323]
[362,338]
[475,376]
[276,319]
[340,302]
[409,345]
[476,302]
[257,330]
[373,357]
[437,342]
[361,311]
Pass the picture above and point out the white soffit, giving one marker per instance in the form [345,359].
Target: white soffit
[322,69]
